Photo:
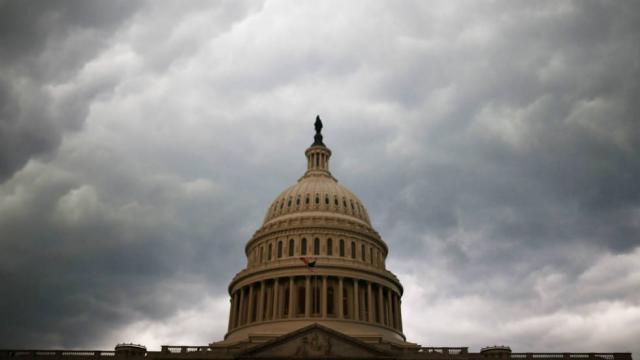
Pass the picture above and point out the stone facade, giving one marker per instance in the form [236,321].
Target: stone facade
[315,286]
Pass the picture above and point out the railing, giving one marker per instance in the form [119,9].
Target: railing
[444,350]
[582,356]
[167,349]
[56,353]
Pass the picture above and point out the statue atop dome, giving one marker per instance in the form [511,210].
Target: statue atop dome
[317,139]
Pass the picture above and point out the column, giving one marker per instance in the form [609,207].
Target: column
[232,305]
[307,296]
[291,297]
[356,305]
[369,302]
[323,297]
[241,315]
[261,302]
[380,305]
[388,308]
[400,312]
[396,324]
[250,308]
[340,296]
[276,295]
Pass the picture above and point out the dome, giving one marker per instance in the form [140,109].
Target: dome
[315,259]
[313,194]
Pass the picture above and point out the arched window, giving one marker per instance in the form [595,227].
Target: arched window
[329,247]
[317,199]
[306,200]
[371,255]
[279,249]
[303,246]
[298,200]
[269,252]
[363,254]
[353,250]
[316,246]
[289,203]
[335,200]
[341,248]
[326,199]
[291,247]
[261,254]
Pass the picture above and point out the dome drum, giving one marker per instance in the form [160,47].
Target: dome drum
[316,259]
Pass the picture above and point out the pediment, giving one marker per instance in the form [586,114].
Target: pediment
[315,341]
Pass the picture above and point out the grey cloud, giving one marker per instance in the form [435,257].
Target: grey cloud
[495,146]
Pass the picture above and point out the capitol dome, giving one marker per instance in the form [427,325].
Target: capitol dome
[315,259]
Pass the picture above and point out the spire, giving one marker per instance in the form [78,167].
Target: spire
[317,139]
[318,154]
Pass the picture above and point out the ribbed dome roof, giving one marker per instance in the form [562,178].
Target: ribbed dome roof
[317,190]
[317,194]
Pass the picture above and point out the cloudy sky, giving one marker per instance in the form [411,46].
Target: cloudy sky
[495,144]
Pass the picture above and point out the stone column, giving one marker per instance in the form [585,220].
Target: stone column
[276,307]
[307,296]
[388,308]
[291,297]
[241,315]
[323,297]
[340,296]
[260,309]
[400,312]
[356,305]
[232,305]
[380,305]
[369,302]
[250,308]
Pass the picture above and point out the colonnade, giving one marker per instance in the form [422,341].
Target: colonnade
[312,296]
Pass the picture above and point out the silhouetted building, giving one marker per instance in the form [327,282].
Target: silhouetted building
[315,286]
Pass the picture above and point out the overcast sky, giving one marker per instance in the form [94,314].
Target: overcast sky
[496,146]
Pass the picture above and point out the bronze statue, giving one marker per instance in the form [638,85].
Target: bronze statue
[317,139]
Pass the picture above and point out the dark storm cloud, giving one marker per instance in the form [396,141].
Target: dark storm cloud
[494,144]
[43,44]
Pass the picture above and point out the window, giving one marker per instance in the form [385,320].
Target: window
[316,246]
[289,203]
[329,247]
[269,252]
[254,306]
[301,300]
[345,302]
[261,254]
[285,309]
[353,250]
[317,199]
[335,200]
[315,296]
[291,247]
[306,201]
[363,254]
[330,306]
[298,201]
[341,248]
[326,200]
[371,255]
[303,246]
[279,249]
